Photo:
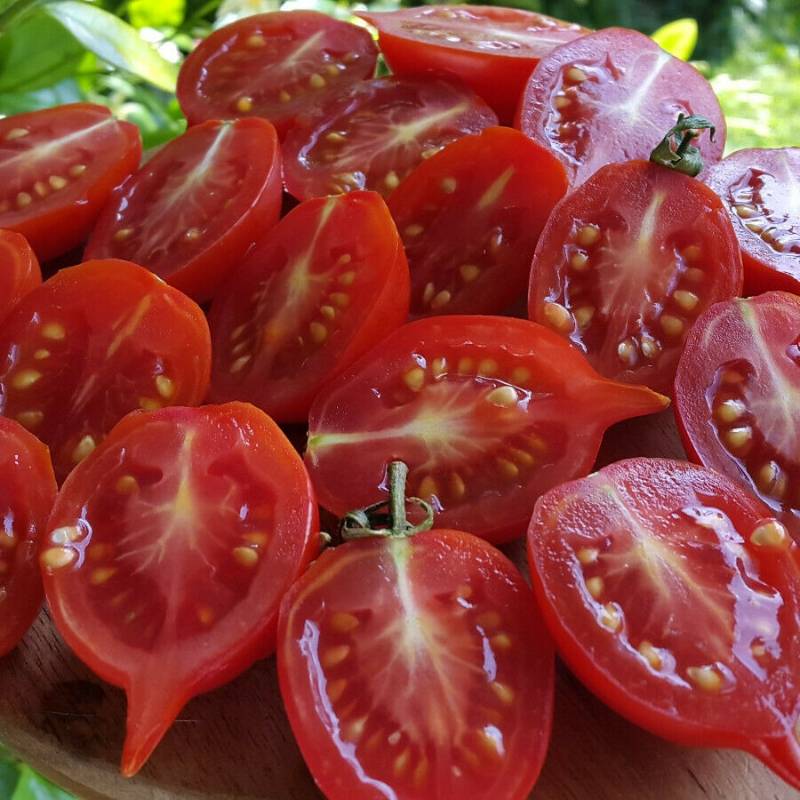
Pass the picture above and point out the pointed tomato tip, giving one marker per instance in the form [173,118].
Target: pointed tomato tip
[628,400]
[782,756]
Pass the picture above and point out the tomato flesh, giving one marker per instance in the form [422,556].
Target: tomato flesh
[19,270]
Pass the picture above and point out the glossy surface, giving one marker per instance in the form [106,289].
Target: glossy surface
[19,270]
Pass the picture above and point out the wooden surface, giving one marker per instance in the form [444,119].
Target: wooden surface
[235,743]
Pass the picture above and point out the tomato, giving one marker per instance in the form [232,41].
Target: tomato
[195,209]
[168,551]
[58,168]
[318,291]
[627,262]
[492,49]
[610,96]
[19,270]
[488,413]
[27,491]
[93,343]
[278,66]
[761,189]
[672,594]
[470,221]
[375,133]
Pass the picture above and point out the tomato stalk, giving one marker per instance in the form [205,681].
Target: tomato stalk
[676,150]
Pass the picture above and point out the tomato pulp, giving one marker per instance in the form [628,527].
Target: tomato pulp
[19,270]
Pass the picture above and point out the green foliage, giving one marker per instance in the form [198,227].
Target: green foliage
[678,38]
[20,782]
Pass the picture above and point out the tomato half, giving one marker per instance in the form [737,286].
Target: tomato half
[416,668]
[278,66]
[470,221]
[168,552]
[319,290]
[194,210]
[93,343]
[627,262]
[19,270]
[672,594]
[611,96]
[58,168]
[27,491]
[492,49]
[488,413]
[375,133]
[761,189]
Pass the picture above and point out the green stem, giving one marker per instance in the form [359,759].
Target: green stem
[676,150]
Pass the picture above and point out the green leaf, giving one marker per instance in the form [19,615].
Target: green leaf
[33,787]
[156,13]
[18,103]
[678,38]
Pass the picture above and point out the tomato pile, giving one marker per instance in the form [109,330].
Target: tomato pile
[362,247]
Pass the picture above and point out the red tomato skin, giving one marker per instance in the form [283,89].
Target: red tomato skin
[19,270]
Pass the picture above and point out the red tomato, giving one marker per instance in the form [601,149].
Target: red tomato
[373,135]
[488,413]
[278,66]
[168,552]
[627,262]
[761,189]
[470,221]
[317,292]
[195,209]
[58,168]
[27,491]
[19,270]
[673,596]
[611,96]
[492,49]
[417,667]
[93,343]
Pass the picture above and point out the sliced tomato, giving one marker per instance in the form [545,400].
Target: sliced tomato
[626,264]
[278,66]
[58,168]
[195,209]
[168,552]
[492,49]
[611,96]
[376,132]
[319,290]
[93,343]
[488,413]
[416,668]
[672,594]
[19,270]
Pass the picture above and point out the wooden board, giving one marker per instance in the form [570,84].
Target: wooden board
[235,743]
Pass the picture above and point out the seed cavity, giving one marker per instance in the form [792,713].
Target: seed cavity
[334,656]
[414,379]
[576,75]
[558,317]
[448,185]
[587,235]
[54,330]
[503,396]
[83,449]
[705,678]
[770,533]
[595,587]
[245,556]
[244,104]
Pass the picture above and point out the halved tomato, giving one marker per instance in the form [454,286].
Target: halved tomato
[58,168]
[168,552]
[278,66]
[194,210]
[19,270]
[610,96]
[470,218]
[319,290]
[675,597]
[376,132]
[93,343]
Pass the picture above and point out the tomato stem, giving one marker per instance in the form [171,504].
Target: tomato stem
[676,150]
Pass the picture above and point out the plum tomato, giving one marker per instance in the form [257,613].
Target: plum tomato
[19,270]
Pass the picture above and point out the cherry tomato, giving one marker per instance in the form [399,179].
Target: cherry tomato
[470,221]
[672,594]
[58,168]
[195,209]
[278,66]
[168,551]
[492,49]
[761,189]
[627,262]
[610,96]
[375,133]
[318,291]
[93,343]
[27,491]
[19,270]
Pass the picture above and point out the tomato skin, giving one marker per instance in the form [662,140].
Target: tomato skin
[19,270]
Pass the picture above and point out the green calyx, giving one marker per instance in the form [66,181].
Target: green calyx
[676,150]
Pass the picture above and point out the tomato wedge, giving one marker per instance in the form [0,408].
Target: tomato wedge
[470,221]
[318,291]
[609,96]
[19,270]
[278,66]
[627,262]
[27,491]
[675,597]
[58,168]
[168,551]
[93,343]
[376,132]
[761,189]
[195,209]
